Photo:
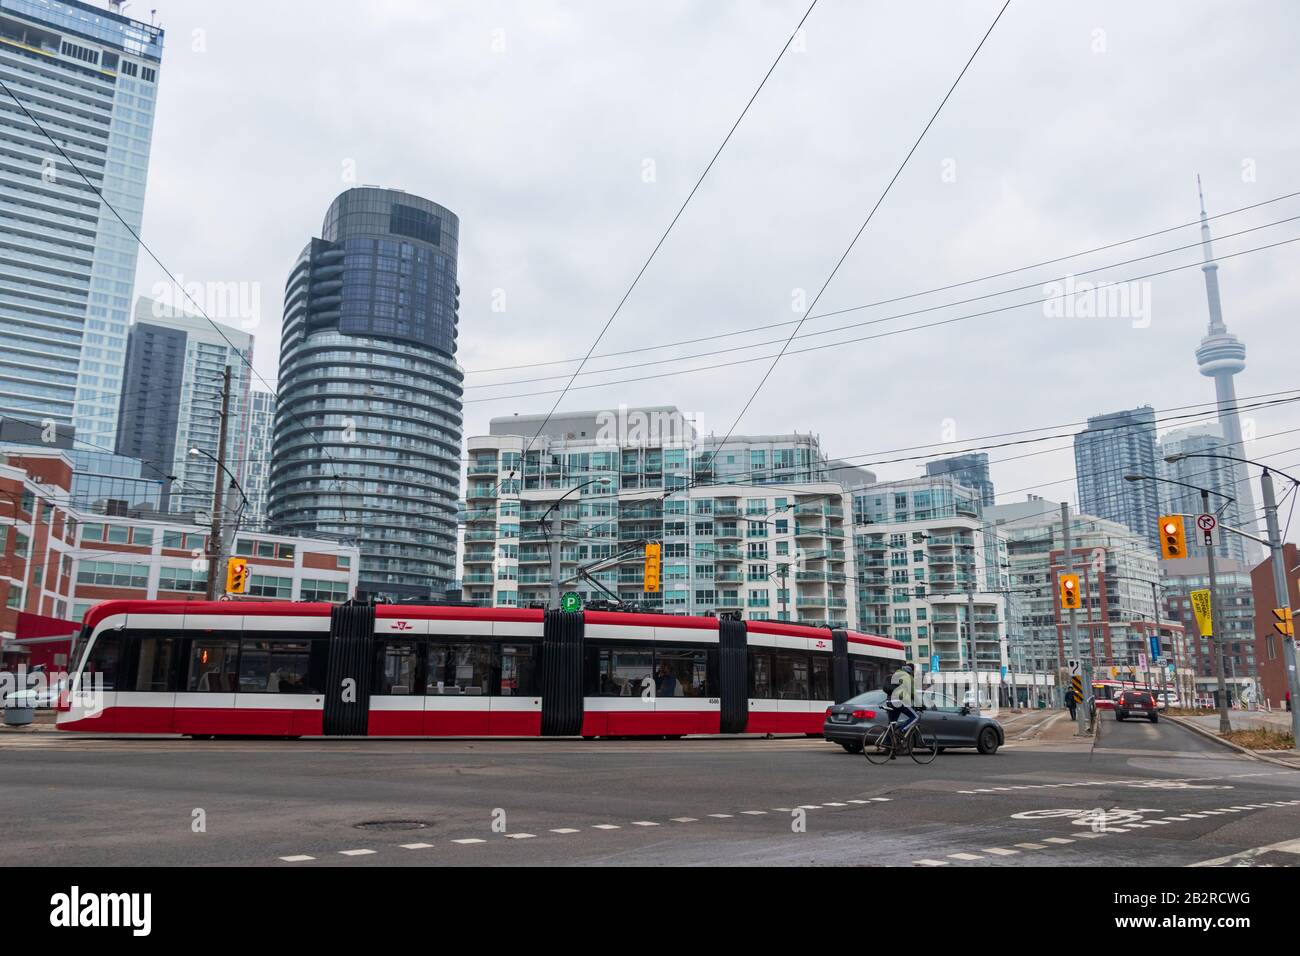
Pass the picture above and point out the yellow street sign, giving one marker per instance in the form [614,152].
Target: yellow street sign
[1204,617]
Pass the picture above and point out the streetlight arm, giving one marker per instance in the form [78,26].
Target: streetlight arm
[1245,461]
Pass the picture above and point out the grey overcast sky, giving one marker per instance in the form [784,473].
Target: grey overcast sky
[536,122]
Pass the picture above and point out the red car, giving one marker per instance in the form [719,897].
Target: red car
[1136,703]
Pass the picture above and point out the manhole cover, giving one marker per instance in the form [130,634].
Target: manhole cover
[392,825]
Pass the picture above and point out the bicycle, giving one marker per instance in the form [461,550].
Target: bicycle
[922,748]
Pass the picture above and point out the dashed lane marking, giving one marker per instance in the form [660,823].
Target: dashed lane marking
[754,813]
[356,852]
[606,826]
[644,823]
[565,830]
[521,836]
[1000,851]
[468,840]
[721,816]
[964,856]
[300,858]
[685,820]
[1056,840]
[416,846]
[930,863]
[1032,846]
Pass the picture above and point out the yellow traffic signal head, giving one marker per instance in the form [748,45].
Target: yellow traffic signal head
[236,576]
[1070,599]
[1173,537]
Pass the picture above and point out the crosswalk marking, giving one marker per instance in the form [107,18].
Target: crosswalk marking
[930,863]
[964,856]
[416,846]
[564,830]
[301,857]
[1000,851]
[356,852]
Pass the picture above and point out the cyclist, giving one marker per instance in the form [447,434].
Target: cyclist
[902,699]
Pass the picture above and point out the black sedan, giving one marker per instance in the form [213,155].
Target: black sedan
[955,726]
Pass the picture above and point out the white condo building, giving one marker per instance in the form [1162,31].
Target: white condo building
[752,526]
[87,77]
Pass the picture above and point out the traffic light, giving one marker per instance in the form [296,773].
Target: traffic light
[1284,625]
[652,567]
[1070,600]
[1173,539]
[236,576]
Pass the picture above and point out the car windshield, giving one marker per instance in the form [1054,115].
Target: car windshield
[870,697]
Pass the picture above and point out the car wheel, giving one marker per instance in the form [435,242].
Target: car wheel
[987,742]
[852,747]
[1154,718]
[942,749]
[1118,715]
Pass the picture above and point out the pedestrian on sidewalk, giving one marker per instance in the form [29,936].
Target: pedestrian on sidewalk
[1069,702]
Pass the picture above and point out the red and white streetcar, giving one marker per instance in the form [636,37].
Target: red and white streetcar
[282,669]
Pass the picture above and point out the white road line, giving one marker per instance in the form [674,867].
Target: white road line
[930,863]
[881,799]
[862,801]
[300,858]
[809,806]
[685,820]
[1088,836]
[964,856]
[999,851]
[834,804]
[1031,846]
[1159,823]
[565,830]
[356,852]
[468,840]
[1056,840]
[521,836]
[416,846]
[644,823]
[606,826]
[721,816]
[754,813]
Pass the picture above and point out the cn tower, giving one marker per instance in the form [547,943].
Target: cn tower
[1221,356]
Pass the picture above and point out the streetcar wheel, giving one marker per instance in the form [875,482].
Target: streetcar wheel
[987,742]
[925,747]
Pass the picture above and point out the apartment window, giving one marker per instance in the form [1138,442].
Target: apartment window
[174,539]
[112,574]
[330,592]
[266,585]
[118,534]
[142,536]
[92,532]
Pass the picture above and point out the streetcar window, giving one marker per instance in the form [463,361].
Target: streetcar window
[620,671]
[790,675]
[153,666]
[101,668]
[274,667]
[760,674]
[398,675]
[681,673]
[213,667]
[821,678]
[459,668]
[518,670]
[866,676]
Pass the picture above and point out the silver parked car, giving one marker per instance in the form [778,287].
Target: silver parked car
[957,725]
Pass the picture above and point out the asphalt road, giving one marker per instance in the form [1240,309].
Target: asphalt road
[1144,795]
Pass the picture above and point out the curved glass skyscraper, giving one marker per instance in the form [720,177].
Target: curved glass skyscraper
[368,425]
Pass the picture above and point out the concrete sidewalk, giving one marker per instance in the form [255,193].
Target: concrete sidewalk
[1279,721]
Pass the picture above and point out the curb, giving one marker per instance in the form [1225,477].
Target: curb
[1246,751]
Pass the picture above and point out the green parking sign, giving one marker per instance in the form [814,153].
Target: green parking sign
[571,601]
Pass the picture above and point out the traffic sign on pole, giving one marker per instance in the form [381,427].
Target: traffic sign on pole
[1204,613]
[1207,524]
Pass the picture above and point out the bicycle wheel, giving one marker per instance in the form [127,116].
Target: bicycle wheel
[879,751]
[925,747]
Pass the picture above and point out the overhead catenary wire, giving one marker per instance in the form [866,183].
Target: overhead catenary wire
[879,335]
[899,298]
[673,222]
[900,315]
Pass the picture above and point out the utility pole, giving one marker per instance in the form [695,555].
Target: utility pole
[1216,623]
[216,564]
[556,530]
[970,631]
[1160,644]
[1281,598]
[1081,717]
